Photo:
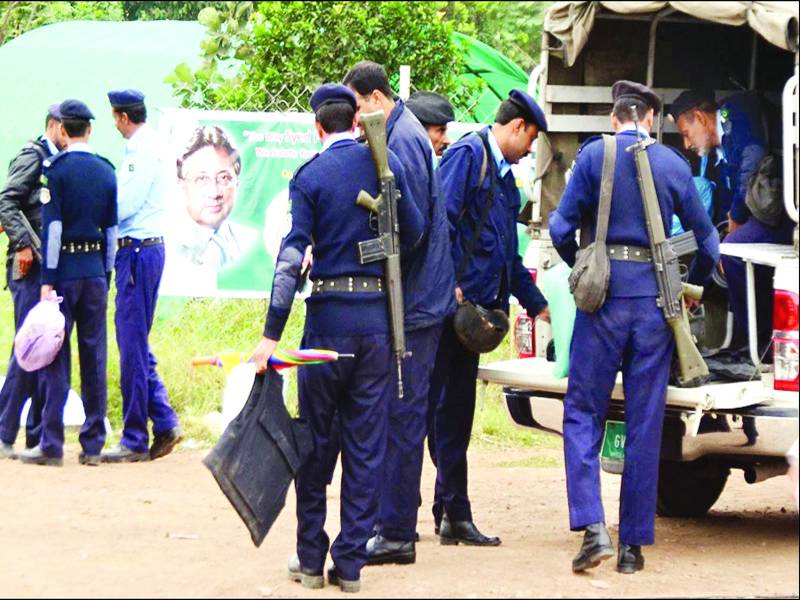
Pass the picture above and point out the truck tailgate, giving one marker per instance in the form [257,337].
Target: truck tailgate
[536,375]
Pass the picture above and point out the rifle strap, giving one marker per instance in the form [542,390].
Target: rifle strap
[606,189]
[492,167]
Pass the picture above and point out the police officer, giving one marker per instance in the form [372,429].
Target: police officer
[346,312]
[143,181]
[79,225]
[434,111]
[488,269]
[427,270]
[21,195]
[736,130]
[627,333]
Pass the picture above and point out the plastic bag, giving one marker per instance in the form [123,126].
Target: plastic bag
[42,333]
[554,283]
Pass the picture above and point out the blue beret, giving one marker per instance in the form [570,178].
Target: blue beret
[332,93]
[75,109]
[624,89]
[691,99]
[533,113]
[125,97]
[54,111]
[430,108]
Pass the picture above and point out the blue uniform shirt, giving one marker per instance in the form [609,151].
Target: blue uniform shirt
[79,204]
[323,196]
[677,194]
[144,181]
[495,268]
[428,274]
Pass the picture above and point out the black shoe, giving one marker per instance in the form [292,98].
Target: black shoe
[164,443]
[122,454]
[307,578]
[382,551]
[596,548]
[629,559]
[346,585]
[90,460]
[35,456]
[452,533]
[7,451]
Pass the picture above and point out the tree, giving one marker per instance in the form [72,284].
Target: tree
[17,18]
[287,48]
[139,10]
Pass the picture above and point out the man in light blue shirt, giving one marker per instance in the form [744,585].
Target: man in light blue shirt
[143,185]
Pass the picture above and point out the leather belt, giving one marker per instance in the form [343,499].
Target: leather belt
[81,247]
[631,253]
[347,284]
[129,241]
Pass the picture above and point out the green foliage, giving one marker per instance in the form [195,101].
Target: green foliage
[289,47]
[18,17]
[149,10]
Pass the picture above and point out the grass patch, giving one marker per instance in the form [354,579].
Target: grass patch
[185,327]
[532,462]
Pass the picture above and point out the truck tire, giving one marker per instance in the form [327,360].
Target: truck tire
[689,489]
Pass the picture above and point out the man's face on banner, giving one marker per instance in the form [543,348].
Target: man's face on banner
[210,184]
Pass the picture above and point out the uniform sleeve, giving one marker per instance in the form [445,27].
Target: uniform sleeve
[111,229]
[290,259]
[566,219]
[136,185]
[418,167]
[751,156]
[411,222]
[23,176]
[52,227]
[693,217]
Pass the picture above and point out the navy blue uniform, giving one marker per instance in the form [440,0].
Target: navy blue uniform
[628,333]
[494,271]
[21,193]
[427,282]
[744,144]
[324,213]
[79,216]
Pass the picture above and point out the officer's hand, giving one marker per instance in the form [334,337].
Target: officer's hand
[308,260]
[459,296]
[265,349]
[24,258]
[732,225]
[45,292]
[544,315]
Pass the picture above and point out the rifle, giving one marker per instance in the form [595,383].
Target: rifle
[387,245]
[665,252]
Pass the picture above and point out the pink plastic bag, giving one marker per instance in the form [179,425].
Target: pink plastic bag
[42,333]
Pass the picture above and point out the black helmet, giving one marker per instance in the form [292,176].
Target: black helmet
[479,329]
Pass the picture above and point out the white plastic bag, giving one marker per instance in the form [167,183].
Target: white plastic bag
[42,333]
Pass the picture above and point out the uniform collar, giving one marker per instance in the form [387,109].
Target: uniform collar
[720,134]
[630,126]
[80,147]
[503,166]
[337,137]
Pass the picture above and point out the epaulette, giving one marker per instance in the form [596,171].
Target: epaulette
[679,153]
[49,162]
[304,165]
[105,160]
[594,138]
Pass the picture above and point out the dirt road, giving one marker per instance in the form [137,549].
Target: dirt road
[164,529]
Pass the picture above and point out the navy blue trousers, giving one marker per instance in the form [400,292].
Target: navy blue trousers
[754,231]
[138,272]
[628,334]
[84,305]
[19,384]
[357,392]
[408,423]
[452,409]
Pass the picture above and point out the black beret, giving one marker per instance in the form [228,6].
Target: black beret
[430,108]
[75,109]
[332,93]
[125,98]
[691,99]
[533,113]
[630,90]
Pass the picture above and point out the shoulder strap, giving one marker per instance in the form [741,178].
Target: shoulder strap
[606,187]
[492,168]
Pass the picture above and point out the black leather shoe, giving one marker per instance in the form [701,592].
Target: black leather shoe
[595,549]
[452,533]
[122,454]
[629,559]
[346,585]
[35,456]
[164,443]
[382,551]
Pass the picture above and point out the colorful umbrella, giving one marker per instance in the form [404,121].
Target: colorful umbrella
[280,359]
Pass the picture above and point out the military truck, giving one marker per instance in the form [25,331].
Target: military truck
[730,47]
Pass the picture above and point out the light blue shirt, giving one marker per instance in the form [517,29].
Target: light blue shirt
[503,166]
[720,133]
[144,181]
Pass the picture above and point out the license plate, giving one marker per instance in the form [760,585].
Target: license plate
[614,441]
